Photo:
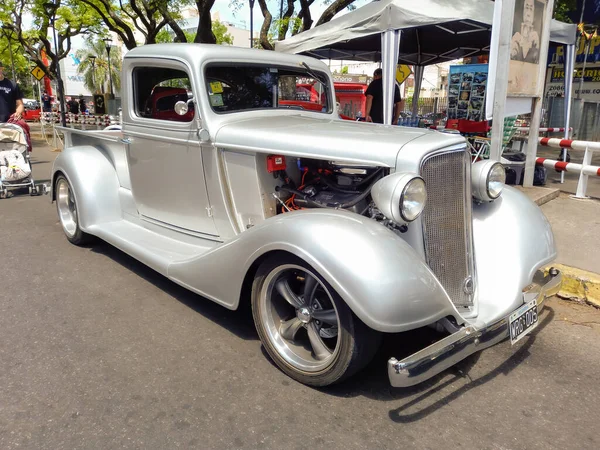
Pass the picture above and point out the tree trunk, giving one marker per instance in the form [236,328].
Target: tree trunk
[287,85]
[113,22]
[305,14]
[332,10]
[264,30]
[285,20]
[204,32]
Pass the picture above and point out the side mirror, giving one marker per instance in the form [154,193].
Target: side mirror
[181,107]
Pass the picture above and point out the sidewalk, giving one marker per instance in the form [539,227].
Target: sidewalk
[576,226]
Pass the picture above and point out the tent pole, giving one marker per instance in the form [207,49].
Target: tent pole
[503,22]
[419,70]
[534,126]
[390,48]
[569,67]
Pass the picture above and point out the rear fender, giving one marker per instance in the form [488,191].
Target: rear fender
[381,278]
[94,183]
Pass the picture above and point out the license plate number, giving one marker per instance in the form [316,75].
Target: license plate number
[522,321]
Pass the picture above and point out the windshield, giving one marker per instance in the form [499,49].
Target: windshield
[234,88]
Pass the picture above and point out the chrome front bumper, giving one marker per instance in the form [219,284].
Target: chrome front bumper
[432,360]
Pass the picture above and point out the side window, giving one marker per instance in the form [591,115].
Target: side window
[156,90]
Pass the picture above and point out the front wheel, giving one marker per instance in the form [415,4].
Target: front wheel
[305,326]
[66,207]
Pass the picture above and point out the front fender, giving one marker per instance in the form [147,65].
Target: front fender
[381,278]
[512,240]
[94,183]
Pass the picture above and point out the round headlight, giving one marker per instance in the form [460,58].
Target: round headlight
[495,180]
[413,199]
[400,196]
[487,180]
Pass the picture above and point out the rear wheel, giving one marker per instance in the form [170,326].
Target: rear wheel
[66,208]
[306,328]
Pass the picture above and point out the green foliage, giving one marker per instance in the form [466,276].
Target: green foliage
[564,7]
[344,70]
[95,71]
[72,18]
[219,30]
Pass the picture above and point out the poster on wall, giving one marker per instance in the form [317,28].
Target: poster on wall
[466,91]
[524,64]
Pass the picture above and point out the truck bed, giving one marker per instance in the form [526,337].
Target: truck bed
[108,142]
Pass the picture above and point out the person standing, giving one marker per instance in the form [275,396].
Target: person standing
[73,106]
[82,105]
[374,94]
[11,98]
[46,102]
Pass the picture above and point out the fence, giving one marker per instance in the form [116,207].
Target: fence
[49,121]
[585,169]
[427,105]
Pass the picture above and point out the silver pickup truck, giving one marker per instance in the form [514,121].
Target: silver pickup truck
[234,176]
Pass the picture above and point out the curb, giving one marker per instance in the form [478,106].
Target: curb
[539,195]
[579,285]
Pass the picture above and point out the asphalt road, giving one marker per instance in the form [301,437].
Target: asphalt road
[99,352]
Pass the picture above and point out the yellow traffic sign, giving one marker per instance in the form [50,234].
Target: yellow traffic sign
[38,73]
[402,73]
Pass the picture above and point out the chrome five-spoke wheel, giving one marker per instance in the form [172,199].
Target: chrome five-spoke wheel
[305,326]
[66,208]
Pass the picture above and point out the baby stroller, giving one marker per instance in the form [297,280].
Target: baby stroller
[15,164]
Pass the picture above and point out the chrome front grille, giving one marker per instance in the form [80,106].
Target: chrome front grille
[447,223]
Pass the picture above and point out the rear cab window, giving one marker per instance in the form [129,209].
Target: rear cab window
[157,90]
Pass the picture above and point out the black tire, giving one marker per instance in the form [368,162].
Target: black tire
[356,344]
[73,232]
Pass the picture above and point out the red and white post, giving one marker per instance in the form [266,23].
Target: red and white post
[585,169]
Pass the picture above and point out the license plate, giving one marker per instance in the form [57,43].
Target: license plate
[522,321]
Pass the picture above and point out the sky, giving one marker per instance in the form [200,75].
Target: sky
[242,17]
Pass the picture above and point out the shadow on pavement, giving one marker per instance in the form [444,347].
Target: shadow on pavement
[238,322]
[373,382]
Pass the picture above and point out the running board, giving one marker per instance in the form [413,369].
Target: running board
[151,248]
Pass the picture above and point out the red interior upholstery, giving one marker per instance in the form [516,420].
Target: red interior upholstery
[162,104]
[309,106]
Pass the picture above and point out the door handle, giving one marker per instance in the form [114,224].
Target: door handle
[126,140]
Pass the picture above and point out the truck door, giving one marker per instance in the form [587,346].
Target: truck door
[164,154]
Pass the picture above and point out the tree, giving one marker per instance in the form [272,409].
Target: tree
[150,17]
[287,21]
[72,18]
[94,66]
[219,30]
[563,8]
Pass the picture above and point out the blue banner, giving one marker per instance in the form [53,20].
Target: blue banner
[557,55]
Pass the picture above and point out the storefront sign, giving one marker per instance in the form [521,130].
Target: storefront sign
[557,55]
[345,78]
[592,74]
[590,91]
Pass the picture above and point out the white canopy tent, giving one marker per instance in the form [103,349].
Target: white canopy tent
[411,32]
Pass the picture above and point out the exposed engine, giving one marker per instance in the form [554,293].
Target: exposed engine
[327,184]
